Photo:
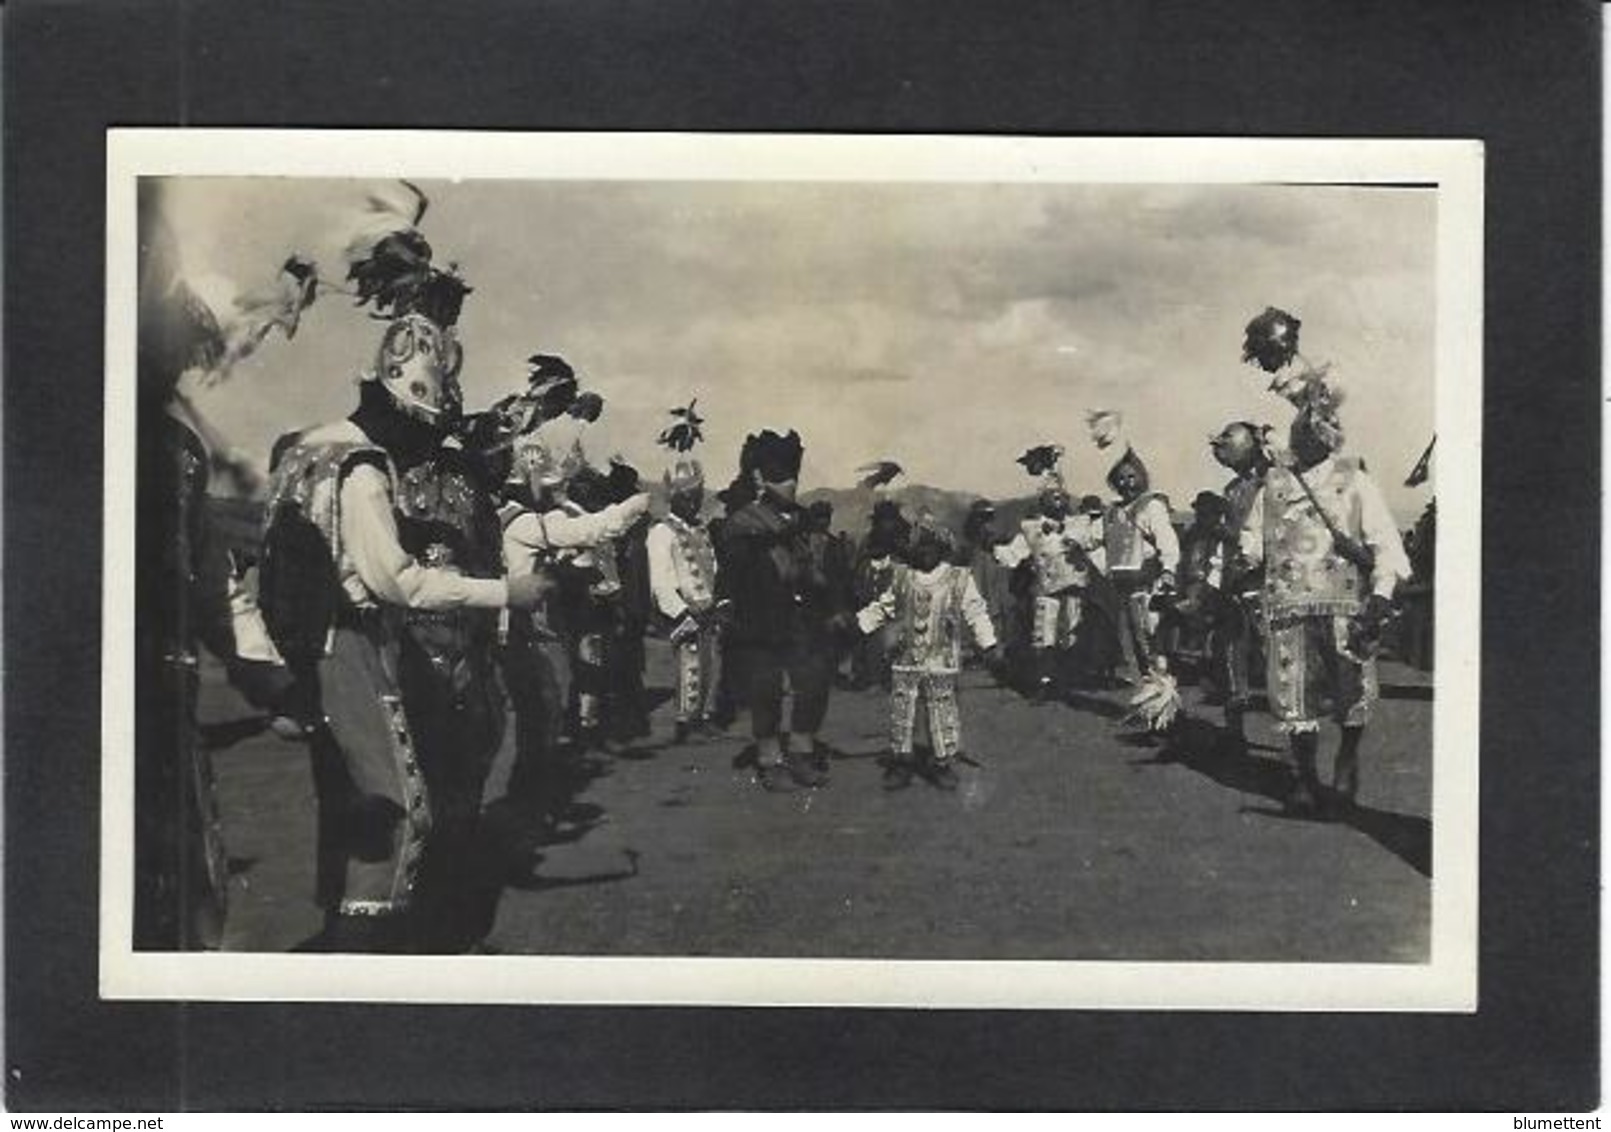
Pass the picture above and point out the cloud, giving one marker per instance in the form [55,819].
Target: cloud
[950,326]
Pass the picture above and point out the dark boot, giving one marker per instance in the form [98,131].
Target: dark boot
[1345,773]
[1304,797]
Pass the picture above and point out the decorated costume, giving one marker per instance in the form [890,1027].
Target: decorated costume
[784,610]
[929,602]
[1240,446]
[544,530]
[380,579]
[1332,559]
[1312,589]
[1054,544]
[1142,555]
[682,577]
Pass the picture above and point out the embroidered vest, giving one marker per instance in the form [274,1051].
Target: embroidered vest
[930,618]
[697,559]
[1303,573]
[444,522]
[1124,541]
[1048,548]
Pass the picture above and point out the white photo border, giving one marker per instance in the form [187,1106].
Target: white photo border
[1448,982]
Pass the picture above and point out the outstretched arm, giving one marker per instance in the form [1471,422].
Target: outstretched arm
[369,536]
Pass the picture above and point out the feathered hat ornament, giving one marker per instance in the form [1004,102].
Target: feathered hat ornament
[685,429]
[681,436]
[1271,343]
[878,473]
[1043,460]
[1271,340]
[227,326]
[1107,427]
[389,261]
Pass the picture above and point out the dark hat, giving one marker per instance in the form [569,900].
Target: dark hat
[1132,461]
[776,456]
[1091,504]
[623,481]
[1206,500]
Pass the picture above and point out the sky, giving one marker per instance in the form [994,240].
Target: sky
[946,327]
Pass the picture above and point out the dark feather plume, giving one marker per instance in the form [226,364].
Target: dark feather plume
[1041,459]
[878,473]
[685,430]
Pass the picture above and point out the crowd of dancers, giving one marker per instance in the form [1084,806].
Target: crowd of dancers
[426,572]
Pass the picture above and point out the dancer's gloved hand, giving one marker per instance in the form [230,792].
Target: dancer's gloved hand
[1365,627]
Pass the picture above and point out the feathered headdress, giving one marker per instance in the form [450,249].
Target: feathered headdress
[225,326]
[1042,460]
[1107,427]
[1271,342]
[685,429]
[389,261]
[681,436]
[879,473]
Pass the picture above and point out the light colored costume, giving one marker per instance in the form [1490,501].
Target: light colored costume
[682,580]
[1055,549]
[543,648]
[929,610]
[1311,590]
[1141,546]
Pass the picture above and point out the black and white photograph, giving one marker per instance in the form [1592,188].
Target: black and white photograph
[904,571]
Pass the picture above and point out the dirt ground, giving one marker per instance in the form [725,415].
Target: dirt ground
[1067,840]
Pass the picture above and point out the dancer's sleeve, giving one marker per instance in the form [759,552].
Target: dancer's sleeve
[369,537]
[663,572]
[1250,538]
[1380,533]
[976,612]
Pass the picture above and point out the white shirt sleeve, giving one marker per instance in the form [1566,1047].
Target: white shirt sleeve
[525,532]
[1154,521]
[1013,554]
[976,612]
[1250,539]
[878,613]
[661,546]
[369,540]
[567,531]
[1380,533]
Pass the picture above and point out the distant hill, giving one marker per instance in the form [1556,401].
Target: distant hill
[240,521]
[853,507]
